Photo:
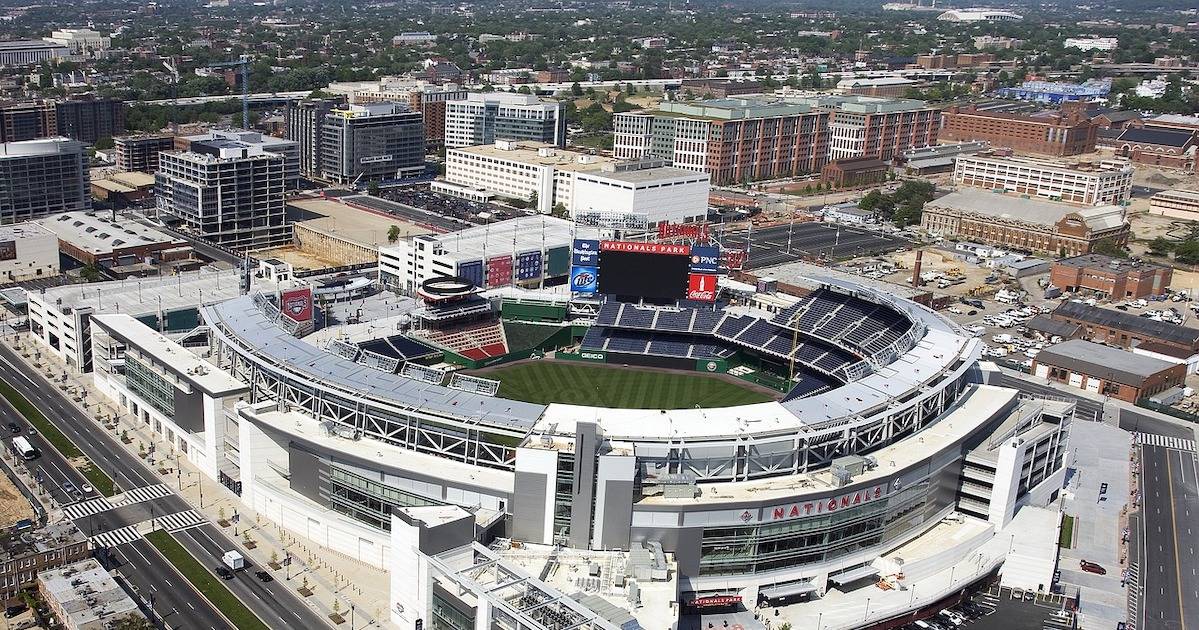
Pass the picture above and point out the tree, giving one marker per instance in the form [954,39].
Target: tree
[559,210]
[1187,252]
[1160,246]
[871,201]
[533,199]
[393,234]
[105,143]
[576,89]
[372,188]
[1108,247]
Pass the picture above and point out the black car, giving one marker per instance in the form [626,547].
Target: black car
[263,576]
[14,428]
[13,611]
[224,573]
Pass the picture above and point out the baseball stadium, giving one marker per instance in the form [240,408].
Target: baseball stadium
[702,436]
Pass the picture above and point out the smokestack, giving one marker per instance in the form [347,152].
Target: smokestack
[916,268]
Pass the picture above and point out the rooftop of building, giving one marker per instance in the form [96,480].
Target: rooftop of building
[18,44]
[851,82]
[40,146]
[1108,263]
[141,296]
[87,595]
[1052,327]
[1158,347]
[1176,138]
[1174,119]
[508,98]
[203,374]
[1104,362]
[982,202]
[538,153]
[19,541]
[747,107]
[1189,195]
[21,231]
[1060,166]
[98,232]
[1121,320]
[511,236]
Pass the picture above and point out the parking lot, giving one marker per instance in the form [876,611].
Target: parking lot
[997,608]
[461,209]
[781,244]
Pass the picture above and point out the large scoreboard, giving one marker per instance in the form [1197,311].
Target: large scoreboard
[649,271]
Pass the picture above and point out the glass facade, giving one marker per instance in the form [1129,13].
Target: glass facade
[366,500]
[150,386]
[446,617]
[767,547]
[564,494]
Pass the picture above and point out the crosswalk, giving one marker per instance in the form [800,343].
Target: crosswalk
[1134,595]
[145,493]
[180,521]
[76,511]
[116,537]
[1153,439]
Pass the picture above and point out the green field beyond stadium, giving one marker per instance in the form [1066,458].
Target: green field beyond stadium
[614,386]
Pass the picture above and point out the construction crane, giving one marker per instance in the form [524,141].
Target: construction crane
[243,64]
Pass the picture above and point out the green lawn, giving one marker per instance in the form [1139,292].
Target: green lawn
[1066,541]
[209,585]
[582,384]
[61,442]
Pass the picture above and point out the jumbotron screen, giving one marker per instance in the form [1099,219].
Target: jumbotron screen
[654,273]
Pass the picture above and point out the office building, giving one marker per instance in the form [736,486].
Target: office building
[1178,204]
[1024,224]
[1086,44]
[140,153]
[579,182]
[27,251]
[89,120]
[732,140]
[30,52]
[28,121]
[1107,371]
[42,177]
[373,142]
[1111,278]
[485,117]
[228,188]
[80,41]
[1068,132]
[304,121]
[979,15]
[1086,183]
[736,140]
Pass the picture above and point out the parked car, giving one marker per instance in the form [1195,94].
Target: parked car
[1092,567]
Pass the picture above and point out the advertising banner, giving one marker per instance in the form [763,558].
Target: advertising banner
[586,253]
[584,279]
[644,248]
[705,259]
[701,287]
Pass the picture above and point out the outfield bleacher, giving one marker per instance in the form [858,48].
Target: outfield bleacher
[656,344]
[399,347]
[480,341]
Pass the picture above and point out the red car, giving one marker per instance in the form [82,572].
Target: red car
[1091,567]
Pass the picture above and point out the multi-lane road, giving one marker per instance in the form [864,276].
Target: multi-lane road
[145,497]
[1168,567]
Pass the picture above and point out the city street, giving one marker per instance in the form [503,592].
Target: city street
[273,603]
[1168,580]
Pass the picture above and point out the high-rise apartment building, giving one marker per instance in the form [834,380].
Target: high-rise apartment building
[378,141]
[228,188]
[90,119]
[484,117]
[1069,132]
[304,120]
[42,177]
[28,121]
[741,139]
[140,152]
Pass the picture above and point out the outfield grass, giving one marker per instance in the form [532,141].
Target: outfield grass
[100,481]
[581,384]
[209,585]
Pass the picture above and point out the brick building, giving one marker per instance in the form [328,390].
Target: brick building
[854,172]
[1107,371]
[24,553]
[140,152]
[1024,224]
[94,238]
[1109,277]
[1118,328]
[720,88]
[1068,132]
[1158,146]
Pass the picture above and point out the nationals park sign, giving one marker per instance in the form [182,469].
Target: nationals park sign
[823,506]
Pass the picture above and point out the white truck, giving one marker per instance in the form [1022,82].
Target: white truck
[234,560]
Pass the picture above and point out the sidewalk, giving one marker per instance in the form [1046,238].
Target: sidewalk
[330,577]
